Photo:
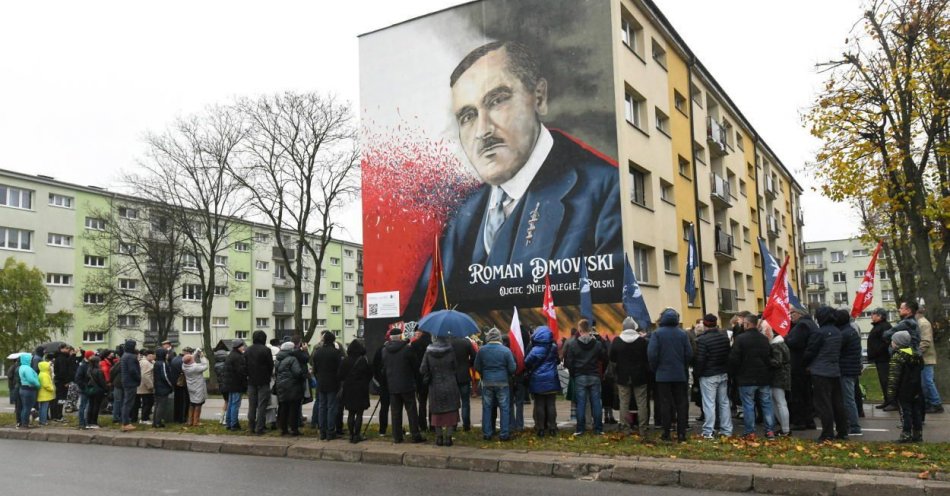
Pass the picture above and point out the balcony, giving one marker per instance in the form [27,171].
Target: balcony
[359,288]
[283,282]
[728,300]
[772,226]
[716,137]
[815,266]
[283,308]
[801,218]
[719,188]
[725,250]
[771,188]
[816,286]
[277,255]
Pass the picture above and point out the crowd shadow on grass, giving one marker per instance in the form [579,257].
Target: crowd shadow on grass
[924,459]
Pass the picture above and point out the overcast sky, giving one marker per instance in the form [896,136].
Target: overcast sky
[80,82]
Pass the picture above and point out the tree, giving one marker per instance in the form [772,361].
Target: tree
[24,322]
[883,119]
[301,166]
[187,168]
[145,268]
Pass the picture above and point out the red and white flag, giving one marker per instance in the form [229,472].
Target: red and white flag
[432,291]
[865,294]
[776,310]
[517,343]
[547,308]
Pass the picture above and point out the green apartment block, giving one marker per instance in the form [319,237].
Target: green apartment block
[47,224]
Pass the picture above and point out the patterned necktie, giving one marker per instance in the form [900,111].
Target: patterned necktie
[496,217]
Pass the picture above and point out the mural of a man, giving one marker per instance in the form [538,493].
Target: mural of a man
[544,195]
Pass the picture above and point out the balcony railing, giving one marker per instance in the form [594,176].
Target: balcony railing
[772,226]
[283,282]
[716,137]
[719,188]
[771,189]
[724,245]
[728,300]
[277,255]
[283,308]
[816,286]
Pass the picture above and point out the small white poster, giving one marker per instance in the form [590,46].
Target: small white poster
[382,305]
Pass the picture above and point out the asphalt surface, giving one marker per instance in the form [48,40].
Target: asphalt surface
[78,470]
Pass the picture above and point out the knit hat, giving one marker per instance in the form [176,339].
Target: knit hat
[710,320]
[88,354]
[879,311]
[494,335]
[901,339]
[630,324]
[237,343]
[287,346]
[797,309]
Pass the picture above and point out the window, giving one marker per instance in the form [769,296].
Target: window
[634,104]
[335,285]
[260,293]
[884,274]
[659,54]
[707,273]
[816,298]
[887,295]
[93,298]
[348,253]
[128,213]
[189,261]
[815,259]
[127,321]
[190,325]
[321,322]
[679,101]
[666,192]
[241,334]
[335,308]
[260,322]
[638,185]
[696,94]
[240,276]
[742,188]
[128,284]
[191,292]
[631,33]
[348,276]
[305,273]
[261,237]
[305,299]
[641,262]
[684,168]
[16,197]
[670,265]
[59,279]
[815,278]
[348,299]
[94,261]
[334,261]
[862,252]
[841,297]
[687,228]
[348,322]
[220,261]
[63,240]
[837,256]
[322,297]
[305,323]
[662,121]
[323,273]
[219,321]
[740,144]
[126,249]
[241,246]
[240,305]
[93,336]
[859,274]
[60,201]
[703,211]
[220,290]
[16,239]
[261,265]
[839,277]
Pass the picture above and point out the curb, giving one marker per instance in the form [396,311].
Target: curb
[735,477]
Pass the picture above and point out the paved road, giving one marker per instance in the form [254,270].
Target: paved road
[65,469]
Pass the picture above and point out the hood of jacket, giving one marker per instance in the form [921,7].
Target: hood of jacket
[355,348]
[44,367]
[38,351]
[26,359]
[778,339]
[282,354]
[842,318]
[440,347]
[130,346]
[586,341]
[629,336]
[542,335]
[825,315]
[395,346]
[161,355]
[259,337]
[669,318]
[220,355]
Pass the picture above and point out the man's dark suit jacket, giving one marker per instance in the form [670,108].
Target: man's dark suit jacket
[574,201]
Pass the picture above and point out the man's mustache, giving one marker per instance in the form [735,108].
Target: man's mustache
[487,143]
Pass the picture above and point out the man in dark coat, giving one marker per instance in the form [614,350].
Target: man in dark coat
[355,374]
[712,367]
[402,369]
[63,374]
[823,360]
[851,368]
[749,361]
[177,374]
[628,353]
[420,343]
[800,405]
[464,360]
[236,366]
[669,353]
[585,357]
[131,379]
[878,353]
[164,387]
[326,365]
[260,368]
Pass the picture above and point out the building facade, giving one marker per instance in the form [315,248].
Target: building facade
[58,227]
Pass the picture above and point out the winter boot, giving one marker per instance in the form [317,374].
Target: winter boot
[918,436]
[448,436]
[906,437]
[439,441]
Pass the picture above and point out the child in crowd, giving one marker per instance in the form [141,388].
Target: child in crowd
[47,392]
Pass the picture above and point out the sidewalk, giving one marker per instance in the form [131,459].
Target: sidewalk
[738,477]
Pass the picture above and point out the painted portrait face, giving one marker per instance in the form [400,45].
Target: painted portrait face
[498,117]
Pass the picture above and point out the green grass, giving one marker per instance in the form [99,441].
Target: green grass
[872,386]
[929,457]
[4,390]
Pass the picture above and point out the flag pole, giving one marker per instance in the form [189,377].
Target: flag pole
[438,253]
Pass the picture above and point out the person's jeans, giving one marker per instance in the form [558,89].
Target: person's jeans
[780,406]
[495,397]
[258,397]
[715,393]
[465,395]
[847,398]
[398,401]
[27,400]
[748,395]
[517,407]
[327,414]
[44,412]
[83,407]
[587,388]
[117,401]
[930,389]
[128,403]
[163,405]
[673,396]
[234,406]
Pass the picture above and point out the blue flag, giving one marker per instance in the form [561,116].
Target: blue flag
[691,266]
[771,268]
[633,304]
[587,309]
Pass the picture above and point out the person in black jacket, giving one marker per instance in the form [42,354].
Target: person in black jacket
[712,367]
[289,386]
[823,360]
[236,365]
[628,353]
[164,386]
[131,378]
[749,361]
[851,368]
[402,368]
[801,408]
[464,360]
[355,374]
[96,388]
[326,365]
[260,368]
[585,358]
[81,378]
[878,353]
[63,374]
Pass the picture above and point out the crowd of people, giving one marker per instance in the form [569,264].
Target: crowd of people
[744,371]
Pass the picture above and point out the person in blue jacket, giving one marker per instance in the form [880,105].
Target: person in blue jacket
[543,382]
[669,354]
[496,365]
[29,386]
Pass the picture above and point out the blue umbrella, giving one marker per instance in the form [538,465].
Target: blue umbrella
[448,323]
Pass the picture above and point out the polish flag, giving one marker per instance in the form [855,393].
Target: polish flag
[547,308]
[865,294]
[432,290]
[776,310]
[516,342]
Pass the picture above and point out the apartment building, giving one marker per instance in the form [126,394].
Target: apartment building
[57,227]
